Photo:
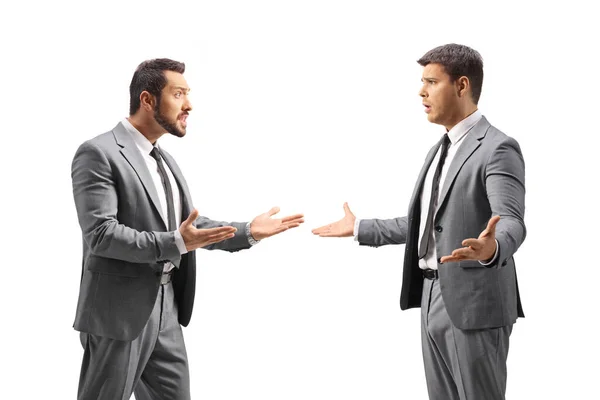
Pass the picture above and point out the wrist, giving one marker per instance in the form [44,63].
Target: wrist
[252,237]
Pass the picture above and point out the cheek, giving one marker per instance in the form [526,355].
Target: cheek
[442,99]
[435,98]
[170,108]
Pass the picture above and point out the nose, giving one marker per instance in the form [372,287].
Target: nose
[422,92]
[187,105]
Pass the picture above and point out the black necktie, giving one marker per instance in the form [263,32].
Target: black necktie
[435,186]
[168,190]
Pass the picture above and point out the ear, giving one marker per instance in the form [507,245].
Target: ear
[147,101]
[463,86]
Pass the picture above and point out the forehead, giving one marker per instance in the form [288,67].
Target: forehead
[175,80]
[434,70]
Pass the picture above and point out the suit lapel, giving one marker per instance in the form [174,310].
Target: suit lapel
[471,142]
[132,154]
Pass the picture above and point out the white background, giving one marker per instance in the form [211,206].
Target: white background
[305,105]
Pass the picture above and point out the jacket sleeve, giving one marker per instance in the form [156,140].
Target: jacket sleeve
[96,201]
[505,186]
[380,232]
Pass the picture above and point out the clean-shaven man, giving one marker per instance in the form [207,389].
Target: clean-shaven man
[464,224]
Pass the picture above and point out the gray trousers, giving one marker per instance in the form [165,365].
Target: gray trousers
[460,364]
[154,365]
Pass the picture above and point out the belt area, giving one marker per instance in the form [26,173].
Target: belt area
[165,277]
[431,274]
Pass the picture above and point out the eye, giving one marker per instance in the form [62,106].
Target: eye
[178,95]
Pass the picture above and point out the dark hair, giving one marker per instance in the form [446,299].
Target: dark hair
[458,60]
[149,76]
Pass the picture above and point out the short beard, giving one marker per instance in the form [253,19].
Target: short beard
[162,121]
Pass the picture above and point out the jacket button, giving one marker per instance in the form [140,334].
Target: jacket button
[438,228]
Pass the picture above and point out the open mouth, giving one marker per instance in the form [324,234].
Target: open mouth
[427,108]
[183,119]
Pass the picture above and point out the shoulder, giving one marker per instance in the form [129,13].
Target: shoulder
[495,139]
[97,150]
[105,142]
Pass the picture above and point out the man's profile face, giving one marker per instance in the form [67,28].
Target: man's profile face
[440,95]
[173,107]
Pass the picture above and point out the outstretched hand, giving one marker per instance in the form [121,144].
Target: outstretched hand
[195,238]
[264,226]
[342,228]
[482,249]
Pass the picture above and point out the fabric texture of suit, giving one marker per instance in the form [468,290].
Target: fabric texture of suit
[486,178]
[125,239]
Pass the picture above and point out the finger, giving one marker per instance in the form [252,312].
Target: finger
[347,209]
[296,221]
[476,244]
[463,253]
[219,238]
[292,217]
[447,259]
[212,232]
[273,211]
[295,225]
[330,234]
[191,218]
[321,229]
[280,229]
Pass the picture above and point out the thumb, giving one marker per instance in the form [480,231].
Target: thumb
[191,218]
[491,227]
[273,211]
[347,209]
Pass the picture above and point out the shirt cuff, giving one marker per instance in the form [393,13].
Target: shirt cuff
[493,260]
[356,224]
[180,243]
[251,239]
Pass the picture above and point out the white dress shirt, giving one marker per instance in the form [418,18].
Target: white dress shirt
[145,147]
[456,136]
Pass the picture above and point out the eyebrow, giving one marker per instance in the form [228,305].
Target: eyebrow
[426,78]
[182,88]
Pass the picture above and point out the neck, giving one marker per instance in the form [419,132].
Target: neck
[148,128]
[462,114]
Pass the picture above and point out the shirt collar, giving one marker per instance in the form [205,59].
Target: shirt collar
[140,140]
[459,130]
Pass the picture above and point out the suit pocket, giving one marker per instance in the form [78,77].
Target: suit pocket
[110,266]
[470,264]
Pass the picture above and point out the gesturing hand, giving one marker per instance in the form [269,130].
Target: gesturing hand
[263,226]
[195,238]
[342,228]
[482,249]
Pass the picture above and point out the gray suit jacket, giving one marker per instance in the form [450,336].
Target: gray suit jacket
[125,240]
[486,178]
